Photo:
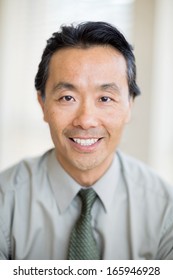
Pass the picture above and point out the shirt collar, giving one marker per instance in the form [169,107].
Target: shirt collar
[65,188]
[105,187]
[63,185]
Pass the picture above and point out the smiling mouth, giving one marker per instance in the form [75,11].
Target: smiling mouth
[85,142]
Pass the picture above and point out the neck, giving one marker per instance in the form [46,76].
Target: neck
[87,178]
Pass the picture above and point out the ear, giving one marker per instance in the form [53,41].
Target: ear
[129,110]
[42,104]
[40,100]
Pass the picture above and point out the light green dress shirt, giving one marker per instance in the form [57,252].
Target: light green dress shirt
[132,217]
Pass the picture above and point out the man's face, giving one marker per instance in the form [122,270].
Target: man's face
[86,106]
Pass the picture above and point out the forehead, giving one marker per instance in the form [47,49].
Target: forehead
[95,55]
[87,68]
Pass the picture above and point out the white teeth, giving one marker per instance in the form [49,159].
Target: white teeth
[85,142]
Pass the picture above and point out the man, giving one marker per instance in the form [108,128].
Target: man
[86,84]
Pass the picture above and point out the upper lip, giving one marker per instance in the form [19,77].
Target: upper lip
[85,137]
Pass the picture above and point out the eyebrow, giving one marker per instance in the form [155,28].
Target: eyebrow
[63,85]
[112,86]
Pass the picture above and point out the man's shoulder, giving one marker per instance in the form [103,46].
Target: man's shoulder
[22,171]
[133,166]
[141,176]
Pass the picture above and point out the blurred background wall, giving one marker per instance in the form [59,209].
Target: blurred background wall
[25,25]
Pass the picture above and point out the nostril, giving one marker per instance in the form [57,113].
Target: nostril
[85,121]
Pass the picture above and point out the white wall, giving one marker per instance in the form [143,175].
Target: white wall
[161,134]
[150,134]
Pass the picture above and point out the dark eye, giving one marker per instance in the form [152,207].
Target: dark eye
[67,98]
[105,99]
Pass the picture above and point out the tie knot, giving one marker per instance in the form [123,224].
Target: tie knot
[87,197]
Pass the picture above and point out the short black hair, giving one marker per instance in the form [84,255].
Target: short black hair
[85,35]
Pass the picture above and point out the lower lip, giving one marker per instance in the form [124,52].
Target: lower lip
[85,149]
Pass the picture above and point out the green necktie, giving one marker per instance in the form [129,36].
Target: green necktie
[82,244]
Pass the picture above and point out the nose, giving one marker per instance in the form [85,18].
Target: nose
[86,116]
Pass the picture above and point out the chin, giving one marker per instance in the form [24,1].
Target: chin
[87,164]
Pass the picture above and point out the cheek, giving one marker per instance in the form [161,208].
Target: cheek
[116,119]
[115,124]
[53,120]
[58,121]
